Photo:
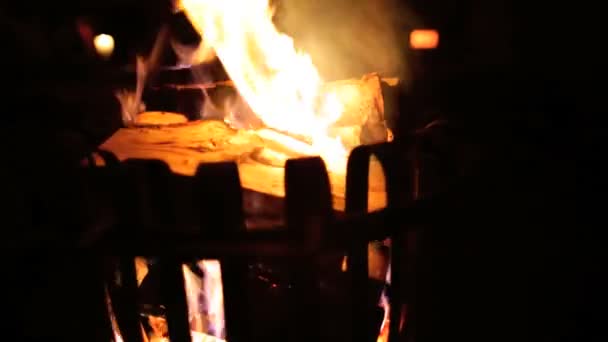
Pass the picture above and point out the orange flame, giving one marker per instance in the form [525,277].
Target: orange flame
[280,84]
[383,334]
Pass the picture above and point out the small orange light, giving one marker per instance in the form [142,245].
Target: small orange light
[424,39]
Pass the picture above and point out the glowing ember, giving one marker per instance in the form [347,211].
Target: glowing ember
[281,84]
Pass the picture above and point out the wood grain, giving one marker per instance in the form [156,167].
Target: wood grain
[184,147]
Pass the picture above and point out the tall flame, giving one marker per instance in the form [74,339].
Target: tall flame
[280,83]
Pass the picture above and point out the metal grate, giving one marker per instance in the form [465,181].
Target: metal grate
[311,228]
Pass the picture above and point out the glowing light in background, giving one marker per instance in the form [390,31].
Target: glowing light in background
[104,45]
[424,39]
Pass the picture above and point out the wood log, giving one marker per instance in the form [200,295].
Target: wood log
[159,119]
[184,147]
[362,99]
[362,120]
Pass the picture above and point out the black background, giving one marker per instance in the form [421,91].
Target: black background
[521,83]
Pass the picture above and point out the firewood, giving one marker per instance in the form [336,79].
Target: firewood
[288,145]
[361,98]
[259,156]
[183,147]
[159,119]
[362,119]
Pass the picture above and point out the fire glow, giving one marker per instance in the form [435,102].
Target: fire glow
[205,300]
[280,84]
[282,87]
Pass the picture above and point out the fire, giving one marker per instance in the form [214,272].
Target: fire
[205,297]
[205,304]
[280,84]
[383,334]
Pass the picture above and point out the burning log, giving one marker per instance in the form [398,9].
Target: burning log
[362,120]
[260,153]
[184,147]
[297,116]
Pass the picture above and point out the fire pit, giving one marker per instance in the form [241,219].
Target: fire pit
[272,281]
[245,167]
[260,153]
[183,146]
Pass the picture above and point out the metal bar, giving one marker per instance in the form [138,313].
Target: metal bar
[173,294]
[310,228]
[104,331]
[124,299]
[195,85]
[219,200]
[373,226]
[220,204]
[399,192]
[133,179]
[308,211]
[357,179]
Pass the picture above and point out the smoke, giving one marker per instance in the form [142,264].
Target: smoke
[345,38]
[349,38]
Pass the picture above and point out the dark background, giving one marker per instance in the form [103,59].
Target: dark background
[520,83]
